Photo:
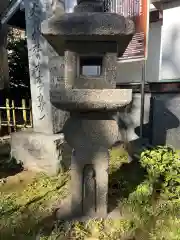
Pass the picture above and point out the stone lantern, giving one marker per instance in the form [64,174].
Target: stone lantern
[92,39]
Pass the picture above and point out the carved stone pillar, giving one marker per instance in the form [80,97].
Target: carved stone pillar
[46,69]
[89,167]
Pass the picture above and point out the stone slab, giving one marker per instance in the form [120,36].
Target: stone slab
[166,119]
[88,24]
[36,151]
[87,27]
[90,99]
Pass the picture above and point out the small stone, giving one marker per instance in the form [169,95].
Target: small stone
[3,180]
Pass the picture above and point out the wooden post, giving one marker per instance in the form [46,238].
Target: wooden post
[24,112]
[30,113]
[8,114]
[14,115]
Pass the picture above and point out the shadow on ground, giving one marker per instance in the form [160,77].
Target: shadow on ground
[8,166]
[124,181]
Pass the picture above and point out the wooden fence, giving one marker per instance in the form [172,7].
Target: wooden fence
[15,117]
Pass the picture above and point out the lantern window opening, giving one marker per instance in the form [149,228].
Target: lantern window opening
[90,66]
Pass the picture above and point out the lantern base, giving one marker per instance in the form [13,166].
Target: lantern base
[63,214]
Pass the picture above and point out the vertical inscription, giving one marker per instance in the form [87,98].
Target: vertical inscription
[35,54]
[89,189]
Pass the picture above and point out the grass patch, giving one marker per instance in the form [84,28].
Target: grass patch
[23,210]
[27,211]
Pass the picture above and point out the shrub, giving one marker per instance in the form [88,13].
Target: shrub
[163,167]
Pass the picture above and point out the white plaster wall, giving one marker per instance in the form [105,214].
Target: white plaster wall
[129,72]
[154,49]
[69,5]
[170,48]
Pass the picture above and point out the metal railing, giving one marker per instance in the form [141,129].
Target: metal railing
[14,117]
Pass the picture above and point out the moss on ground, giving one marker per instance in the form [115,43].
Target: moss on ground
[27,203]
[23,210]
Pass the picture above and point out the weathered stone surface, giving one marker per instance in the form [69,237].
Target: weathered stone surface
[91,140]
[37,152]
[89,6]
[95,203]
[75,79]
[70,69]
[85,26]
[46,68]
[166,120]
[71,24]
[81,132]
[91,99]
